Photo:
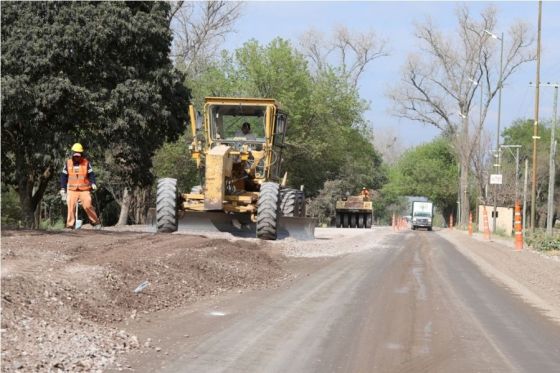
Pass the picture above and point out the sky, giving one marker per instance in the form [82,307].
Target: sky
[266,20]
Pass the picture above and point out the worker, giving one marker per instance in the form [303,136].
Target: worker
[245,132]
[365,192]
[76,181]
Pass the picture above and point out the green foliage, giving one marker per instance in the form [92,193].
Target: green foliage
[174,160]
[323,205]
[521,133]
[11,209]
[58,224]
[539,240]
[326,137]
[427,170]
[94,72]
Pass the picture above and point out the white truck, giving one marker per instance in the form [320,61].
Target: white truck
[422,215]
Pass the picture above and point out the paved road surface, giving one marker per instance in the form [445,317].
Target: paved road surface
[413,304]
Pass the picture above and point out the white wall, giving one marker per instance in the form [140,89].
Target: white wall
[504,221]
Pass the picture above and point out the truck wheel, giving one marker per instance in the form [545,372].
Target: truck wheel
[166,205]
[368,221]
[429,228]
[352,220]
[289,202]
[360,220]
[268,211]
[338,220]
[345,220]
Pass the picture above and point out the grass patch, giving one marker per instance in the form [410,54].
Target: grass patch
[539,240]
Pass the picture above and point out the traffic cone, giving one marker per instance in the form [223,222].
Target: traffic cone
[470,223]
[485,223]
[517,228]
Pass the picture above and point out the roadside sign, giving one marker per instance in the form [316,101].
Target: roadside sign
[496,179]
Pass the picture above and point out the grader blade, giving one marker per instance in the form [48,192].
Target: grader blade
[236,224]
[297,227]
[239,225]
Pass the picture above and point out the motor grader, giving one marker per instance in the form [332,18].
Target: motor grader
[241,186]
[354,212]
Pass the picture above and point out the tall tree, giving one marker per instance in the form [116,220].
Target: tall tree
[520,133]
[326,131]
[437,84]
[428,170]
[98,73]
[351,51]
[199,29]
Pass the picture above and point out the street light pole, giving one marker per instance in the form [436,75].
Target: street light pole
[552,166]
[501,39]
[536,123]
[516,155]
[498,128]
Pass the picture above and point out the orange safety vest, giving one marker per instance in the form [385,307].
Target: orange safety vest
[78,175]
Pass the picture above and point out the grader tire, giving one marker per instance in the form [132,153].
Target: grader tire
[289,202]
[166,205]
[268,211]
[338,219]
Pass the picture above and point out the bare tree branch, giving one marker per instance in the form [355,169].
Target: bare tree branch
[199,28]
[439,82]
[354,51]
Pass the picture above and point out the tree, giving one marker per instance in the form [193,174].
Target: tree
[428,170]
[97,73]
[437,83]
[199,29]
[326,131]
[353,51]
[520,133]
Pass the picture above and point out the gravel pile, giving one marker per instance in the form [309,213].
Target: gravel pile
[66,295]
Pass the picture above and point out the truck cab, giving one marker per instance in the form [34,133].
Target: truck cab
[422,215]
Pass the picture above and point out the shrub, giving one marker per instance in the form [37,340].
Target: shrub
[539,240]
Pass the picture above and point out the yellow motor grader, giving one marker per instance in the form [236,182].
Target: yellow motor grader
[241,187]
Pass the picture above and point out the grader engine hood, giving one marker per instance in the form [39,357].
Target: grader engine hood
[218,166]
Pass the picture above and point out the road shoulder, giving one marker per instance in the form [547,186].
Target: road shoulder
[526,273]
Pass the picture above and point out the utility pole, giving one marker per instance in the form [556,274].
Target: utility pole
[551,166]
[536,123]
[501,39]
[526,175]
[516,156]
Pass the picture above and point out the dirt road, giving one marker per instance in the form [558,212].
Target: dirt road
[409,303]
[350,301]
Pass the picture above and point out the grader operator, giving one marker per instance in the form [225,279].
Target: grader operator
[237,145]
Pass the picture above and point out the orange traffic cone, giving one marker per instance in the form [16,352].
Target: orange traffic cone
[470,223]
[517,228]
[486,225]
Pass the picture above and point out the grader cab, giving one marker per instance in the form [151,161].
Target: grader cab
[241,187]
